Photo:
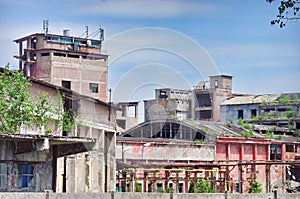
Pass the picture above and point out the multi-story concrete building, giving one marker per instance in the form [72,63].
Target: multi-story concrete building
[63,60]
[201,103]
[76,69]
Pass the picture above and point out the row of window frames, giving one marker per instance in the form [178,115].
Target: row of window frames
[58,54]
[94,87]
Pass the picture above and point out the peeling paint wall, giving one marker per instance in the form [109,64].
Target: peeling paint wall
[164,152]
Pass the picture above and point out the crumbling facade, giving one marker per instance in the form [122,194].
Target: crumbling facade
[127,115]
[201,103]
[63,60]
[171,154]
[34,161]
[73,73]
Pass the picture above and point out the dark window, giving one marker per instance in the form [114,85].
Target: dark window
[289,148]
[45,54]
[159,186]
[66,84]
[59,54]
[121,123]
[3,175]
[73,56]
[237,187]
[253,112]
[25,178]
[240,114]
[93,87]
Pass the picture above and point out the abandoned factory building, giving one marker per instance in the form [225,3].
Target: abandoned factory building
[174,154]
[78,160]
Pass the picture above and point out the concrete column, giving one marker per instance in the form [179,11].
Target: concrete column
[70,174]
[101,162]
[80,172]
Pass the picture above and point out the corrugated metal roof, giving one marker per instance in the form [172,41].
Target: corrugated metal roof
[250,99]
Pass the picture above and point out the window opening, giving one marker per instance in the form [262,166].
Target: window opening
[66,84]
[94,88]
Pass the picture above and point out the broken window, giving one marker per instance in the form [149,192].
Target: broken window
[3,175]
[25,178]
[93,87]
[163,94]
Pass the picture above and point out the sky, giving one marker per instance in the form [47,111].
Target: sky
[170,43]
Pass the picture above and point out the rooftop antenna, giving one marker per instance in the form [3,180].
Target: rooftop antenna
[101,32]
[87,31]
[45,26]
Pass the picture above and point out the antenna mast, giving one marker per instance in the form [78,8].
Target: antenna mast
[45,26]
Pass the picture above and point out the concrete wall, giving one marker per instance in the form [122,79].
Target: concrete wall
[165,152]
[229,113]
[142,196]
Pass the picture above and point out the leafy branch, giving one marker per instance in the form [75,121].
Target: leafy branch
[287,11]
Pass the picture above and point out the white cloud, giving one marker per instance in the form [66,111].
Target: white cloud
[149,9]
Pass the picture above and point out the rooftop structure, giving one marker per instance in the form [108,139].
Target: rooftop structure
[63,60]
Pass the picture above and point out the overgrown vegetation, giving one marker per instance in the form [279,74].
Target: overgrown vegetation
[269,134]
[202,186]
[174,117]
[254,187]
[18,108]
[228,124]
[284,99]
[138,187]
[247,134]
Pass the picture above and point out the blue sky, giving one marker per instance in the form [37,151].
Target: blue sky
[231,37]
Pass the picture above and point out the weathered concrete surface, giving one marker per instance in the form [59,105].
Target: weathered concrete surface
[130,195]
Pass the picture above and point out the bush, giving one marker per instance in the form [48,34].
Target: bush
[254,187]
[240,122]
[228,124]
[284,99]
[203,186]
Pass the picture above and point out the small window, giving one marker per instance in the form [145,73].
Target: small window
[289,148]
[59,54]
[25,177]
[3,175]
[237,187]
[93,87]
[66,84]
[240,114]
[253,112]
[216,83]
[45,54]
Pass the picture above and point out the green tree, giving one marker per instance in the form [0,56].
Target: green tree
[16,107]
[287,11]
